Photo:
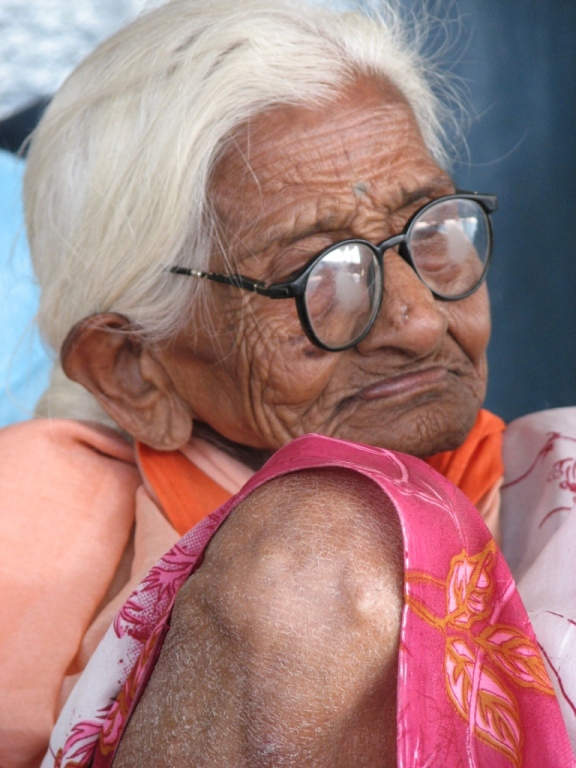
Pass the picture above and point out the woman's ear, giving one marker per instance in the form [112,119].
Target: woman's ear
[106,355]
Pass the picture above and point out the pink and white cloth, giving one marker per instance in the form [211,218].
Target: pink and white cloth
[473,687]
[538,519]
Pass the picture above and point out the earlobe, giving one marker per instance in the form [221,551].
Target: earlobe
[105,354]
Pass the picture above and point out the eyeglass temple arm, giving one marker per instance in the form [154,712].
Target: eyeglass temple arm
[490,202]
[280,291]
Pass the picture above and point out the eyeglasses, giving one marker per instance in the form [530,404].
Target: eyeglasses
[338,293]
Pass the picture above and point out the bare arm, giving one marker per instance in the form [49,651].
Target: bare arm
[283,645]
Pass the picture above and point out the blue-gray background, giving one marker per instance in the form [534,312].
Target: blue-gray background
[518,58]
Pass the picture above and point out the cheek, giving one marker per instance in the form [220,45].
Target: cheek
[285,365]
[469,324]
[261,344]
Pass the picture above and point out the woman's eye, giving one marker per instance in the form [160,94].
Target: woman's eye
[321,294]
[428,230]
[291,261]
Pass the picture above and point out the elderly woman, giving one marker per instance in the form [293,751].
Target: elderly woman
[244,232]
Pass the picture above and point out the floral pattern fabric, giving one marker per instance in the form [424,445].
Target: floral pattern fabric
[473,689]
[539,539]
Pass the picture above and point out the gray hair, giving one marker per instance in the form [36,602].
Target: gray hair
[118,170]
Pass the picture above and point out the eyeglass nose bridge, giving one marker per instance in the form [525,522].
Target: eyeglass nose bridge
[403,252]
[391,242]
[405,255]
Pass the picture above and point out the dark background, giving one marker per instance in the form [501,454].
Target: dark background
[518,61]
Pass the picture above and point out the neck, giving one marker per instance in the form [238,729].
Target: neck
[254,458]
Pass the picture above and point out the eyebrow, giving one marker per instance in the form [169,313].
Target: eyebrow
[427,192]
[335,220]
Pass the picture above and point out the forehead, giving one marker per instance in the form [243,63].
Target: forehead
[295,171]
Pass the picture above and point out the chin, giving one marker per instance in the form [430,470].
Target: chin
[421,431]
[453,434]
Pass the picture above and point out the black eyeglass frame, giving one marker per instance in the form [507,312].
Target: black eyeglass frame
[296,287]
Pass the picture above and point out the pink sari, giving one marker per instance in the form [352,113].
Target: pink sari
[472,687]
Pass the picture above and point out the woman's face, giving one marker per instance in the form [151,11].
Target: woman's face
[295,181]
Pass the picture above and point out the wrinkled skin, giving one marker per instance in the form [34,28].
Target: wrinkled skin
[356,169]
[283,645]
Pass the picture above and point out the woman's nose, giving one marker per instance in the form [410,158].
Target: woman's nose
[410,320]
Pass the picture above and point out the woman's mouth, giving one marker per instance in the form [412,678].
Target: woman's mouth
[409,383]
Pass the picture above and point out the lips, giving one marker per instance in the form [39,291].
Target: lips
[409,383]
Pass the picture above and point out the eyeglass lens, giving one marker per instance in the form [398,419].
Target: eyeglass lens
[449,244]
[343,294]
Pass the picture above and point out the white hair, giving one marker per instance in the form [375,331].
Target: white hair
[118,170]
